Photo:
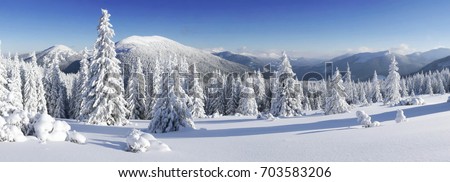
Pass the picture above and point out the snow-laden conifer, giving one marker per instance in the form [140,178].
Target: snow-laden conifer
[392,84]
[105,103]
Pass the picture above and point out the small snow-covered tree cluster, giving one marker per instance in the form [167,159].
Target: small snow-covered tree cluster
[171,111]
[285,103]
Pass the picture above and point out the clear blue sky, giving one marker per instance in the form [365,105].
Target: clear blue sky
[323,26]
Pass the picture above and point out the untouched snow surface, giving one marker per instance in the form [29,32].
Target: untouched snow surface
[314,137]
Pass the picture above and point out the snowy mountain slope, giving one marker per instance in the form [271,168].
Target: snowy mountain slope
[68,55]
[431,55]
[363,65]
[437,65]
[250,61]
[148,49]
[313,137]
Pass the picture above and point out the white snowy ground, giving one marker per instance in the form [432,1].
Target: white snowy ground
[315,137]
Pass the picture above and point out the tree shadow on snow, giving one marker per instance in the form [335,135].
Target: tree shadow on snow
[225,121]
[326,125]
[97,129]
[109,144]
[413,112]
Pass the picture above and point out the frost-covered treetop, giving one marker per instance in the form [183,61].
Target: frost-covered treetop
[285,66]
[104,46]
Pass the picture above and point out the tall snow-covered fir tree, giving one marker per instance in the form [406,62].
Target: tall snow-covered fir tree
[349,88]
[170,112]
[247,103]
[429,87]
[260,90]
[234,88]
[196,93]
[15,83]
[29,91]
[81,84]
[40,91]
[55,96]
[136,92]
[392,84]
[403,88]
[104,102]
[215,97]
[153,86]
[335,101]
[376,92]
[285,103]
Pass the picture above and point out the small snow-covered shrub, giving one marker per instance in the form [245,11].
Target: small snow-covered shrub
[215,115]
[76,137]
[412,101]
[11,133]
[365,120]
[264,116]
[43,126]
[59,132]
[400,116]
[138,141]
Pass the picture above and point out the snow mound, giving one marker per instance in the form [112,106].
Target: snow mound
[400,118]
[138,141]
[46,128]
[412,101]
[76,137]
[263,116]
[43,126]
[365,120]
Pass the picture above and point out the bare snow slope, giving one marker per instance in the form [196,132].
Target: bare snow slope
[148,49]
[315,137]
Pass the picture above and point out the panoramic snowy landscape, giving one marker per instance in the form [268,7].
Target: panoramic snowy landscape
[151,98]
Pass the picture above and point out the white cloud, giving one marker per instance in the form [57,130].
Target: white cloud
[214,49]
[402,49]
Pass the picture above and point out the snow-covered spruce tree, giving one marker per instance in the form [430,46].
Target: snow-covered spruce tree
[392,85]
[429,88]
[170,113]
[55,96]
[196,93]
[285,103]
[40,91]
[362,96]
[234,96]
[349,88]
[403,88]
[153,86]
[136,92]
[376,91]
[335,101]
[440,82]
[215,97]
[104,102]
[80,85]
[247,102]
[29,89]
[15,83]
[259,88]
